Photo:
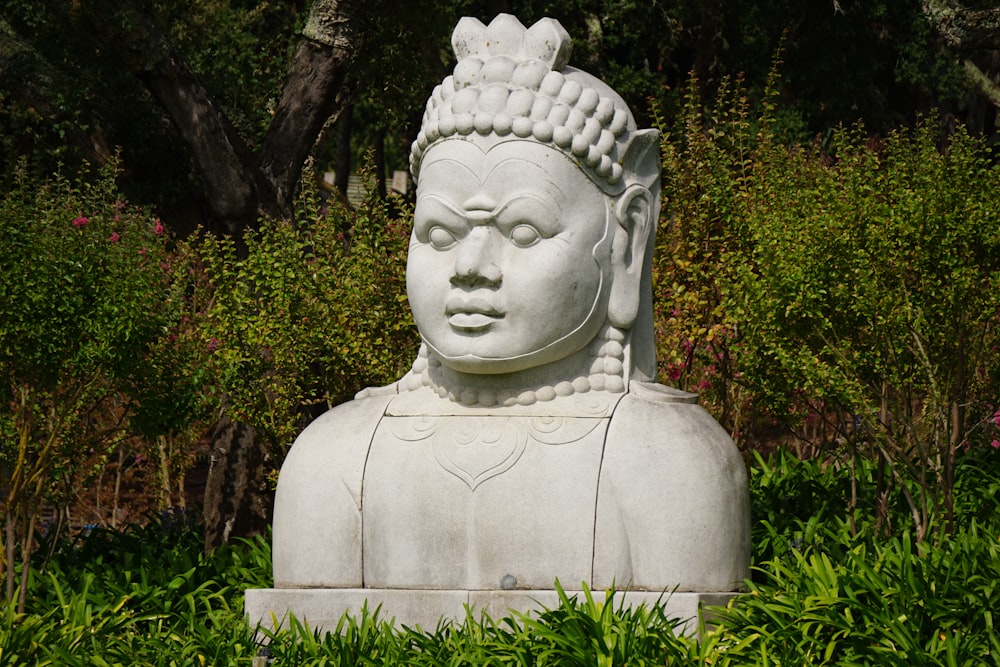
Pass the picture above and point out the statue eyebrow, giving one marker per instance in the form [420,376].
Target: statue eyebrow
[499,216]
[453,162]
[543,178]
[548,223]
[451,216]
[504,161]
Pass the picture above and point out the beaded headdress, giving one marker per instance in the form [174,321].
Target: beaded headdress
[514,81]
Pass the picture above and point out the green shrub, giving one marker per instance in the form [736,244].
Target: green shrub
[145,595]
[313,313]
[874,602]
[870,280]
[827,590]
[848,291]
[84,296]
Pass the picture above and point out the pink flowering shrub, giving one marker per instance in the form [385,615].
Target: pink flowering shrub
[698,341]
[84,301]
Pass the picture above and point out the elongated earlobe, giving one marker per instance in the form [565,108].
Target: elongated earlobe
[628,254]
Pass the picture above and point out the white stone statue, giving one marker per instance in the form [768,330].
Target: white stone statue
[529,442]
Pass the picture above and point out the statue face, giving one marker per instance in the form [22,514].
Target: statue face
[508,260]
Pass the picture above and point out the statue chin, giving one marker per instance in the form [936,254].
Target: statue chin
[475,365]
[566,346]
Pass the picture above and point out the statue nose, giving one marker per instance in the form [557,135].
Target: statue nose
[477,258]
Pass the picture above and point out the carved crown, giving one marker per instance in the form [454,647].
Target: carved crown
[512,80]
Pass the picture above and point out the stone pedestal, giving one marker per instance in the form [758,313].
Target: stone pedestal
[324,607]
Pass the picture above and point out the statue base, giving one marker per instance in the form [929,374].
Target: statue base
[322,608]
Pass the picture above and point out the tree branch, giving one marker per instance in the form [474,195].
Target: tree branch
[984,84]
[232,186]
[964,29]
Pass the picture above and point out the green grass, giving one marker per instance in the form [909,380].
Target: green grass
[821,595]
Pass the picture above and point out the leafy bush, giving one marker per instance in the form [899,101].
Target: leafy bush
[313,313]
[142,596]
[832,587]
[703,170]
[84,296]
[577,632]
[885,604]
[849,291]
[870,281]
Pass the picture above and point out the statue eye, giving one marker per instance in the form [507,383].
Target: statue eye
[524,235]
[440,238]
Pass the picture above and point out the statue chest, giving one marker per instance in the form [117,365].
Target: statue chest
[481,502]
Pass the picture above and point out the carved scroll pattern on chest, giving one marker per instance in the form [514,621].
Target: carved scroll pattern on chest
[475,449]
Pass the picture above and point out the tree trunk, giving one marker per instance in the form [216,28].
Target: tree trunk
[342,160]
[237,185]
[232,186]
[10,540]
[237,498]
[962,28]
[704,57]
[233,189]
[27,549]
[969,32]
[309,100]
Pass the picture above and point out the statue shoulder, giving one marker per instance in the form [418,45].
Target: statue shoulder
[374,392]
[317,515]
[674,487]
[652,411]
[355,417]
[342,433]
[655,392]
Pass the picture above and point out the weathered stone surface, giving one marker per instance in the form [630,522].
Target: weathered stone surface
[528,443]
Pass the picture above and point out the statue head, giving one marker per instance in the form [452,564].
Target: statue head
[537,200]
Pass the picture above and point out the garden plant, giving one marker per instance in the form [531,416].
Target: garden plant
[85,292]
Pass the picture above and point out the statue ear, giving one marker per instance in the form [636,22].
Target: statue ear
[628,254]
[641,158]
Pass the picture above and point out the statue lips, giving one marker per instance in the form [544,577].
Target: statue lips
[473,314]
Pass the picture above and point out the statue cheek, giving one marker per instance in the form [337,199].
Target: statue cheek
[424,262]
[423,282]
